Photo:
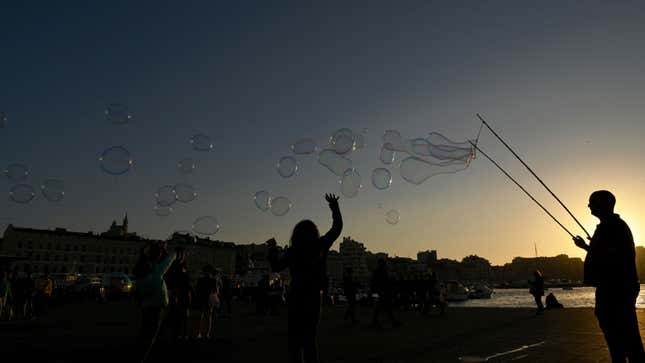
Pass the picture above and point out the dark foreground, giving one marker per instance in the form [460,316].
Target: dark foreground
[92,332]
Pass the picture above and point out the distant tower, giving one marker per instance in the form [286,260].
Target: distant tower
[125,225]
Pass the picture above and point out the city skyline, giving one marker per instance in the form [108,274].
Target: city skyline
[562,84]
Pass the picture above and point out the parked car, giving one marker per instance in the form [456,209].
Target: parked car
[87,287]
[116,285]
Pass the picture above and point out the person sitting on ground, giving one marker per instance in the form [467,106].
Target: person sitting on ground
[552,302]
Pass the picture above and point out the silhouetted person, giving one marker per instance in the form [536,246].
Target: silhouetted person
[610,266]
[207,300]
[349,287]
[537,290]
[381,285]
[552,302]
[305,261]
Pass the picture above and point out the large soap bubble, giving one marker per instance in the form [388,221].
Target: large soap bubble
[53,190]
[206,225]
[166,195]
[443,148]
[115,160]
[419,146]
[22,193]
[304,147]
[287,166]
[386,155]
[163,211]
[392,216]
[186,165]
[337,164]
[416,170]
[16,173]
[350,184]
[118,114]
[262,200]
[280,206]
[342,141]
[185,192]
[201,142]
[381,178]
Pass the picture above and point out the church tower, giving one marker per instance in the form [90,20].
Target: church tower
[125,225]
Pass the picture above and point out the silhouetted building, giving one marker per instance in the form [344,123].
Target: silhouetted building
[427,257]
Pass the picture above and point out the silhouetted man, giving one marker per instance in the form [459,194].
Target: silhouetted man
[610,266]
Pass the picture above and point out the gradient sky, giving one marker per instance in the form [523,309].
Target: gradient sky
[564,84]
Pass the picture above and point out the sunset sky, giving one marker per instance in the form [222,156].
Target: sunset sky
[564,84]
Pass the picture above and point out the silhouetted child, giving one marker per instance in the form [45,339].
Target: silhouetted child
[305,259]
[537,290]
[381,285]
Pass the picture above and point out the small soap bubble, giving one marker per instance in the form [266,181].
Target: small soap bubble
[201,142]
[185,192]
[163,211]
[287,166]
[392,140]
[337,164]
[342,141]
[3,120]
[206,225]
[118,114]
[304,147]
[53,190]
[22,193]
[392,216]
[350,184]
[115,160]
[166,195]
[262,200]
[359,142]
[386,155]
[187,165]
[280,206]
[16,173]
[381,178]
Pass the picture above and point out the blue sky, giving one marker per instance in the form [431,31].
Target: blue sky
[562,82]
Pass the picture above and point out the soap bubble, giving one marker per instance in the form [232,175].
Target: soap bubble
[443,148]
[416,170]
[304,146]
[287,166]
[184,192]
[350,184]
[53,190]
[419,146]
[201,142]
[392,140]
[163,211]
[115,160]
[342,141]
[392,216]
[187,165]
[381,178]
[337,164]
[206,225]
[118,114]
[166,195]
[386,155]
[3,120]
[16,172]
[280,206]
[262,200]
[22,193]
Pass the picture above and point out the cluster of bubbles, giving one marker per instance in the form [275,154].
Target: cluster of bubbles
[22,192]
[278,206]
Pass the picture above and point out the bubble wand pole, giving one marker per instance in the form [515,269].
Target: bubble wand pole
[532,172]
[521,187]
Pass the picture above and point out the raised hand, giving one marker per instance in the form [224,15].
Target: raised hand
[580,242]
[332,199]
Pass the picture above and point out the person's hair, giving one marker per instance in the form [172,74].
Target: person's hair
[604,197]
[304,233]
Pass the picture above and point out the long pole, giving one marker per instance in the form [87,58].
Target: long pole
[521,187]
[532,172]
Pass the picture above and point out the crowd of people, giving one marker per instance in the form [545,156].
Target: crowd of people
[22,297]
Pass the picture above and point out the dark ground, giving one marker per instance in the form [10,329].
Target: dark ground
[93,332]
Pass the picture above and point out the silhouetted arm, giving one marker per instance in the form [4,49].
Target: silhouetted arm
[337,223]
[278,262]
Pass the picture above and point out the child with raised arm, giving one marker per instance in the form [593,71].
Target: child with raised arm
[305,261]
